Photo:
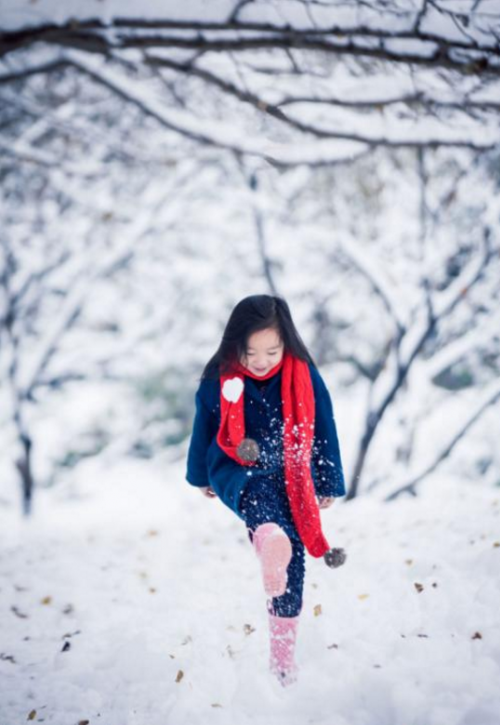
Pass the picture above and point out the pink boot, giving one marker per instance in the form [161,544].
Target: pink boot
[283,636]
[274,550]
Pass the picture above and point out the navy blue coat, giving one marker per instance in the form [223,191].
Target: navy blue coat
[209,465]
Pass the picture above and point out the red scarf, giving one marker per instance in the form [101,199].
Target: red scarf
[297,395]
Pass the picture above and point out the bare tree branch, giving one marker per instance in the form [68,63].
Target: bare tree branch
[489,397]
[381,285]
[467,55]
[224,137]
[408,345]
[274,111]
[417,98]
[447,301]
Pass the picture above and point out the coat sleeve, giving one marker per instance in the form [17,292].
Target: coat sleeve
[326,458]
[204,430]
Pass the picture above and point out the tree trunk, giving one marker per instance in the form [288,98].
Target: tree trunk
[24,467]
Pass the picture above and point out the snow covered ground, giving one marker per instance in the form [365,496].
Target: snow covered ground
[130,599]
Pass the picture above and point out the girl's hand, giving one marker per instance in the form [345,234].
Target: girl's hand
[208,491]
[325,501]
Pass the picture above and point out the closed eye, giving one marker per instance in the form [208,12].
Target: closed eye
[275,352]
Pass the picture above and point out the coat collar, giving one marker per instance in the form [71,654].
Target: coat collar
[254,391]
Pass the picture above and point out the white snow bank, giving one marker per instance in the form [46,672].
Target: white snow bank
[144,579]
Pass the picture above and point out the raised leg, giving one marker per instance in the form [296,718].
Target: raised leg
[274,550]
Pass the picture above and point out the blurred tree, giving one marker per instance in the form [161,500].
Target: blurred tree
[169,166]
[333,81]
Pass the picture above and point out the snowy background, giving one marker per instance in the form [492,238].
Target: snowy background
[146,187]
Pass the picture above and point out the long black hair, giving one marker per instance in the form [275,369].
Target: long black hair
[252,314]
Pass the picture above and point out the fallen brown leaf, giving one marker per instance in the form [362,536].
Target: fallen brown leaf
[318,610]
[418,587]
[71,634]
[32,715]
[46,600]
[180,675]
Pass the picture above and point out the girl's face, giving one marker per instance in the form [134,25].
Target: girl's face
[264,350]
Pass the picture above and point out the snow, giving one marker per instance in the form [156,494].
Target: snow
[145,578]
[377,277]
[142,576]
[216,133]
[298,136]
[16,15]
[348,123]
[398,17]
[478,337]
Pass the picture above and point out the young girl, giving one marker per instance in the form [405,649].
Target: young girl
[264,442]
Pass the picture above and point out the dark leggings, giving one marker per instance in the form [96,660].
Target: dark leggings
[264,500]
